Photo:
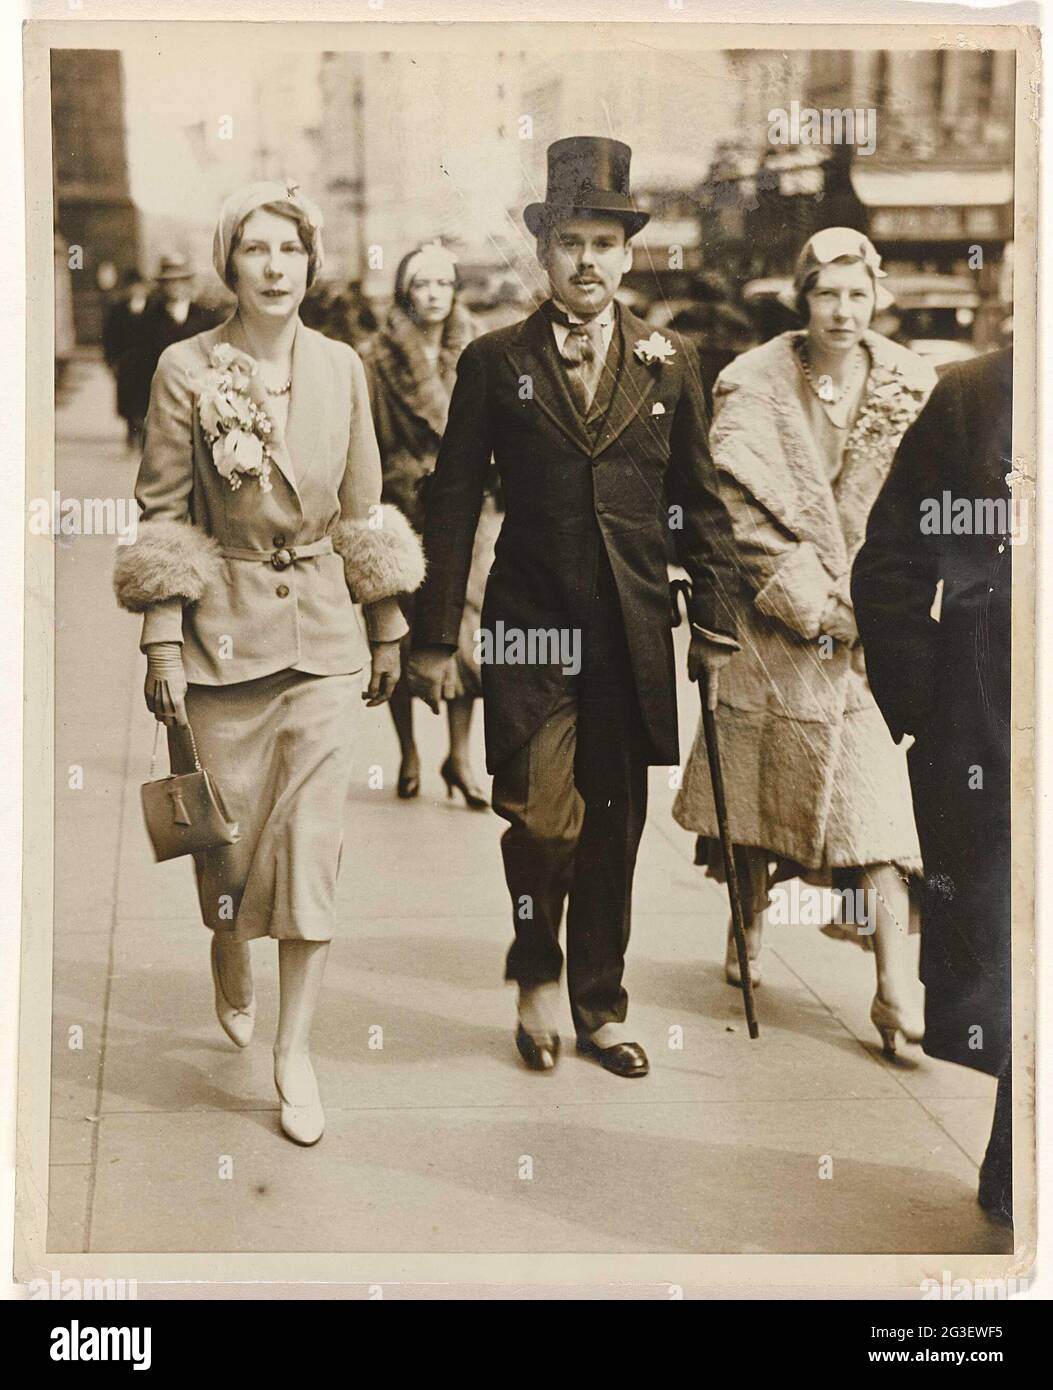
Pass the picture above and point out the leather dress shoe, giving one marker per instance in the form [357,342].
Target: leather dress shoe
[540,1054]
[623,1059]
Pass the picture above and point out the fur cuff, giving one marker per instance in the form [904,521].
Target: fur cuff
[380,560]
[168,559]
[798,592]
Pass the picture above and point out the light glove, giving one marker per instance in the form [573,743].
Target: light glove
[166,683]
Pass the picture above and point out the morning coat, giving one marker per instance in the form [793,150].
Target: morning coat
[569,490]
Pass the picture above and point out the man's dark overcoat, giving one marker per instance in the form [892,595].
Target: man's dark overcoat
[947,682]
[569,489]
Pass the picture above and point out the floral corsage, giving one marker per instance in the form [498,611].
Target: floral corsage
[232,412]
[654,349]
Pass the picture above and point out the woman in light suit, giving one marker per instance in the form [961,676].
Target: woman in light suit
[261,529]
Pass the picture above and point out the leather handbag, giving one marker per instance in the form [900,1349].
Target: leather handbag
[185,812]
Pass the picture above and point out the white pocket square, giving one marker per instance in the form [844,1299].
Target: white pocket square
[658,408]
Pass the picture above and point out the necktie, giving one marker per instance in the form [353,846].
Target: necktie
[584,354]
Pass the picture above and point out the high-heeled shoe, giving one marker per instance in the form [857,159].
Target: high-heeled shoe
[732,973]
[304,1122]
[473,797]
[409,777]
[238,1023]
[539,1053]
[891,1023]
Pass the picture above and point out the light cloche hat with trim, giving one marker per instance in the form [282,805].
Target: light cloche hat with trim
[242,201]
[831,244]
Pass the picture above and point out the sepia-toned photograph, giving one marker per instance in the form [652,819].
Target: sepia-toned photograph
[536,521]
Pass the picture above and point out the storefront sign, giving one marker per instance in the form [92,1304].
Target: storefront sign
[937,223]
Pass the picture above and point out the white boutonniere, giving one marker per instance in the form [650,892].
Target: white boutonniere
[654,349]
[233,415]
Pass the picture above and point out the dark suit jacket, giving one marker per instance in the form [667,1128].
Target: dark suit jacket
[155,331]
[947,682]
[568,491]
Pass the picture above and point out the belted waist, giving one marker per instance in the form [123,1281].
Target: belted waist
[284,556]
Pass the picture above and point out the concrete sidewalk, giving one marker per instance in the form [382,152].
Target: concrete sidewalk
[719,1150]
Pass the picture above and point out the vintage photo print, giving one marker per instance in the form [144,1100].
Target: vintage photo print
[529,658]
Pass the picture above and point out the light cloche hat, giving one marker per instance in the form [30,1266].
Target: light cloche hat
[832,244]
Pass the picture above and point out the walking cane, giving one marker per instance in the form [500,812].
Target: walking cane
[716,775]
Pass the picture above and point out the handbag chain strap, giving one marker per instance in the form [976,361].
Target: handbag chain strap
[157,739]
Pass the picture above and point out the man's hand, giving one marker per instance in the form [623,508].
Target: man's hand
[705,655]
[384,675]
[430,676]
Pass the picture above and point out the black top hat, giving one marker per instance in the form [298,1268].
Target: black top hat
[587,173]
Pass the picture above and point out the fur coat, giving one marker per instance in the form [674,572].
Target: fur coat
[812,774]
[410,399]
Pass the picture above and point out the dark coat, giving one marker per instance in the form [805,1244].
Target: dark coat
[568,491]
[947,682]
[123,346]
[155,331]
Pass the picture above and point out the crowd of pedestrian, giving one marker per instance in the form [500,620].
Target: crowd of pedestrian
[546,466]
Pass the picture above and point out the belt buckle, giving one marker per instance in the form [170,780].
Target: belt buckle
[282,559]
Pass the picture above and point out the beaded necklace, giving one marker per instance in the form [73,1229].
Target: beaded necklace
[824,388]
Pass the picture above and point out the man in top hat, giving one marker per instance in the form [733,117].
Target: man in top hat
[171,314]
[598,429]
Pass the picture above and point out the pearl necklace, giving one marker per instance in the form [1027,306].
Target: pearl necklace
[279,390]
[825,391]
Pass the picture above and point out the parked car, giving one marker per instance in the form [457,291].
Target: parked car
[936,315]
[933,315]
[941,352]
[717,329]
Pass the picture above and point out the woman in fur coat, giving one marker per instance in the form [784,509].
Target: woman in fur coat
[805,429]
[411,367]
[261,529]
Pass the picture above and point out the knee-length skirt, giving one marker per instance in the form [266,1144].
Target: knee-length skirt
[280,749]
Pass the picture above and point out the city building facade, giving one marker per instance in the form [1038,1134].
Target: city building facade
[96,222]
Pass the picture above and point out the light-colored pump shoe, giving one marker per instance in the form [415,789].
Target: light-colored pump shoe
[303,1123]
[237,1023]
[892,1024]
